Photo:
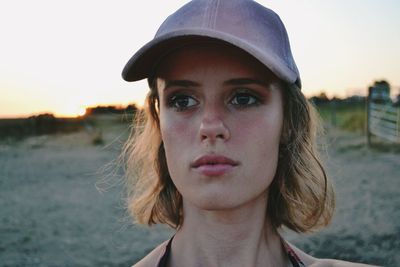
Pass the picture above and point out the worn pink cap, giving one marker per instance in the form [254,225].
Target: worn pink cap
[242,23]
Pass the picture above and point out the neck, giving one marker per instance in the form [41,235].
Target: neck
[241,236]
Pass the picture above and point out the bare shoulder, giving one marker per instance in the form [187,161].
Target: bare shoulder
[310,261]
[151,260]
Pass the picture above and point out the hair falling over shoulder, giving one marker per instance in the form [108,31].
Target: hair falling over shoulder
[151,195]
[300,197]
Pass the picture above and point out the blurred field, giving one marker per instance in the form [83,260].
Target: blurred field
[17,129]
[52,212]
[348,116]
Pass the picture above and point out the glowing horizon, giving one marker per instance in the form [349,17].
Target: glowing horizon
[63,57]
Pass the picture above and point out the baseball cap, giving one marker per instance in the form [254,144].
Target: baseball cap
[244,24]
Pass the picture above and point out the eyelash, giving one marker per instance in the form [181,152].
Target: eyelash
[255,99]
[173,100]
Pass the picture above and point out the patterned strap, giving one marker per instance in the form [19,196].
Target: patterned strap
[294,259]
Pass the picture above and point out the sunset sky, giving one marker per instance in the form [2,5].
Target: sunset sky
[62,56]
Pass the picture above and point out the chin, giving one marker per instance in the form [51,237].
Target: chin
[221,201]
[213,201]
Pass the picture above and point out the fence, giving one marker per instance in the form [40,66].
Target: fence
[383,120]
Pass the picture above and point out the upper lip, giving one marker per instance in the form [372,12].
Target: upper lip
[212,159]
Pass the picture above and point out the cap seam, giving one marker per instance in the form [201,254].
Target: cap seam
[215,15]
[206,17]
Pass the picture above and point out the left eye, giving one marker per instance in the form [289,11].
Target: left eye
[182,102]
[244,99]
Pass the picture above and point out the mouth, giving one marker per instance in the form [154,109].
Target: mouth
[214,165]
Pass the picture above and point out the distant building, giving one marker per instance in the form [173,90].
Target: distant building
[379,92]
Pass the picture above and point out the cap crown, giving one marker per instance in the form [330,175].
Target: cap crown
[243,23]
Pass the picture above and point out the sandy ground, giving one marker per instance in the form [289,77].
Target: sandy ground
[52,213]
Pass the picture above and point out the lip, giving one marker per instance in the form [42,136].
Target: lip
[214,165]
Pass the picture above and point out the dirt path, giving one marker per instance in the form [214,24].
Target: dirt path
[51,213]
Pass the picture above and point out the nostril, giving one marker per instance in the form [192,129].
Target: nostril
[221,136]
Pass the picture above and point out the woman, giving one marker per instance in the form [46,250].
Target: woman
[225,152]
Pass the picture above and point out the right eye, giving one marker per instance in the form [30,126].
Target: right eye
[182,102]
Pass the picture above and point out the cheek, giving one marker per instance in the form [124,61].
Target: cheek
[174,131]
[177,136]
[261,130]
[258,139]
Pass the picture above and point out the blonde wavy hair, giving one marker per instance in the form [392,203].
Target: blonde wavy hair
[300,197]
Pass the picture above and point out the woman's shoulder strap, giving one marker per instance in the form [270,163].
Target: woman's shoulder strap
[293,257]
[155,257]
[165,256]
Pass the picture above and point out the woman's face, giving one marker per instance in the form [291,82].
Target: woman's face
[221,116]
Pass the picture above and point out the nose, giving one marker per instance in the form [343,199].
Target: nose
[213,128]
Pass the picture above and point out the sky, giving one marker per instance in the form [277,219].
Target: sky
[63,56]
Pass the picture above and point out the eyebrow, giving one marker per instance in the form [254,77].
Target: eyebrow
[236,81]
[245,81]
[180,83]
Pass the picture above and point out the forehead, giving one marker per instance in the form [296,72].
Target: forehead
[211,57]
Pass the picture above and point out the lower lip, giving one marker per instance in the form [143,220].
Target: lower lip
[215,169]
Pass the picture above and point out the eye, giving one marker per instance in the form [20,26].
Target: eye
[243,99]
[181,102]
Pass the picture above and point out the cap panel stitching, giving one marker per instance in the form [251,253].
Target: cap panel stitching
[214,20]
[208,14]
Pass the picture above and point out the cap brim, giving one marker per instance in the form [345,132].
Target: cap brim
[142,64]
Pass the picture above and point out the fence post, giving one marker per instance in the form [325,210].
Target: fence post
[368,118]
[398,124]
